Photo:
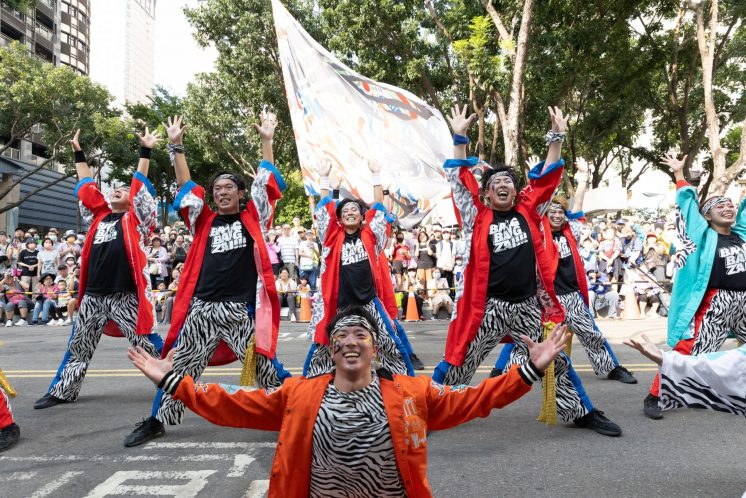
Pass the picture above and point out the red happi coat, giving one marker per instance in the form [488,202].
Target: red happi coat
[267,302]
[531,204]
[137,223]
[553,253]
[334,240]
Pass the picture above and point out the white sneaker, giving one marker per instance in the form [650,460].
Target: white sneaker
[67,322]
[21,322]
[53,323]
[9,323]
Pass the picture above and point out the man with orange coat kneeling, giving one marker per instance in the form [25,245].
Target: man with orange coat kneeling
[357,431]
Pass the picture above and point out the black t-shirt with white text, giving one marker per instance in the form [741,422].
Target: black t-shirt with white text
[512,257]
[729,267]
[566,280]
[228,269]
[30,258]
[356,284]
[108,266]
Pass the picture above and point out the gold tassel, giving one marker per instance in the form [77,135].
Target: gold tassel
[248,373]
[5,385]
[549,406]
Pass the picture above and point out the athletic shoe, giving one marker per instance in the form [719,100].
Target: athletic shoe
[47,401]
[9,436]
[622,375]
[149,428]
[495,373]
[35,322]
[651,408]
[22,322]
[67,322]
[416,362]
[595,420]
[9,323]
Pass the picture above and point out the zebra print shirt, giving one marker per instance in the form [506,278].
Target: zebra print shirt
[353,454]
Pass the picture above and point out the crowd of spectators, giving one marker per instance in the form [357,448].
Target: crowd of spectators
[621,258]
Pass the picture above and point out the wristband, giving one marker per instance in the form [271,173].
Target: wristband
[555,136]
[460,139]
[335,194]
[386,192]
[376,178]
[80,156]
[324,183]
[145,152]
[174,149]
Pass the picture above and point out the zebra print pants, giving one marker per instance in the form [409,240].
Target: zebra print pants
[206,324]
[503,318]
[720,312]
[580,320]
[392,354]
[94,313]
[6,415]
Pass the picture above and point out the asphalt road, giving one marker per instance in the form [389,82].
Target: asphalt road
[76,449]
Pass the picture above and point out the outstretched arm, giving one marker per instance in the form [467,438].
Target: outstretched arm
[450,406]
[460,124]
[268,184]
[81,165]
[582,177]
[147,142]
[556,136]
[176,149]
[266,131]
[375,171]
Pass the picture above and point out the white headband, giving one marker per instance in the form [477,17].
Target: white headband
[352,321]
[715,201]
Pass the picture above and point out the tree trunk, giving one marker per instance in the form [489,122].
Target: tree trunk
[515,108]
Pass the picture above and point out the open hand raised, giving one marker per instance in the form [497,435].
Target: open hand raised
[174,129]
[153,368]
[75,142]
[268,124]
[542,354]
[559,121]
[460,123]
[148,140]
[676,165]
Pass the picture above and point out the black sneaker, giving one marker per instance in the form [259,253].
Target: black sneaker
[651,408]
[9,436]
[416,362]
[149,428]
[48,401]
[622,375]
[595,420]
[495,373]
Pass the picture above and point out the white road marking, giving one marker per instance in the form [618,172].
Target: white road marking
[53,486]
[203,458]
[257,489]
[17,476]
[240,463]
[204,445]
[114,485]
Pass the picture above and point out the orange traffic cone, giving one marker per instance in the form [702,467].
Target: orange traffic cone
[412,315]
[305,308]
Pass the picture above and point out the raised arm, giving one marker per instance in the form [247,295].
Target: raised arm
[268,185]
[556,136]
[266,130]
[176,149]
[581,177]
[81,164]
[375,171]
[686,198]
[147,142]
[464,186]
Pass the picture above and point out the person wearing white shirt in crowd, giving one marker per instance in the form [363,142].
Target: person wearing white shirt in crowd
[286,288]
[69,246]
[438,290]
[444,257]
[288,243]
[308,257]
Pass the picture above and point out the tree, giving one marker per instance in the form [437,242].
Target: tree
[22,5]
[122,159]
[47,104]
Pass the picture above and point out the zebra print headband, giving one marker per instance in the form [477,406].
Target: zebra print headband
[498,175]
[352,321]
[227,176]
[711,203]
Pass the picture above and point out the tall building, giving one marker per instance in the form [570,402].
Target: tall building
[123,41]
[55,31]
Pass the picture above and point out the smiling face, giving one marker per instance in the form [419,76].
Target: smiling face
[353,350]
[350,216]
[722,215]
[120,199]
[556,217]
[500,192]
[227,196]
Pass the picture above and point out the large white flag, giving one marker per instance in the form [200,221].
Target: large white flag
[342,116]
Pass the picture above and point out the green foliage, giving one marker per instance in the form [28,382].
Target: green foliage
[21,5]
